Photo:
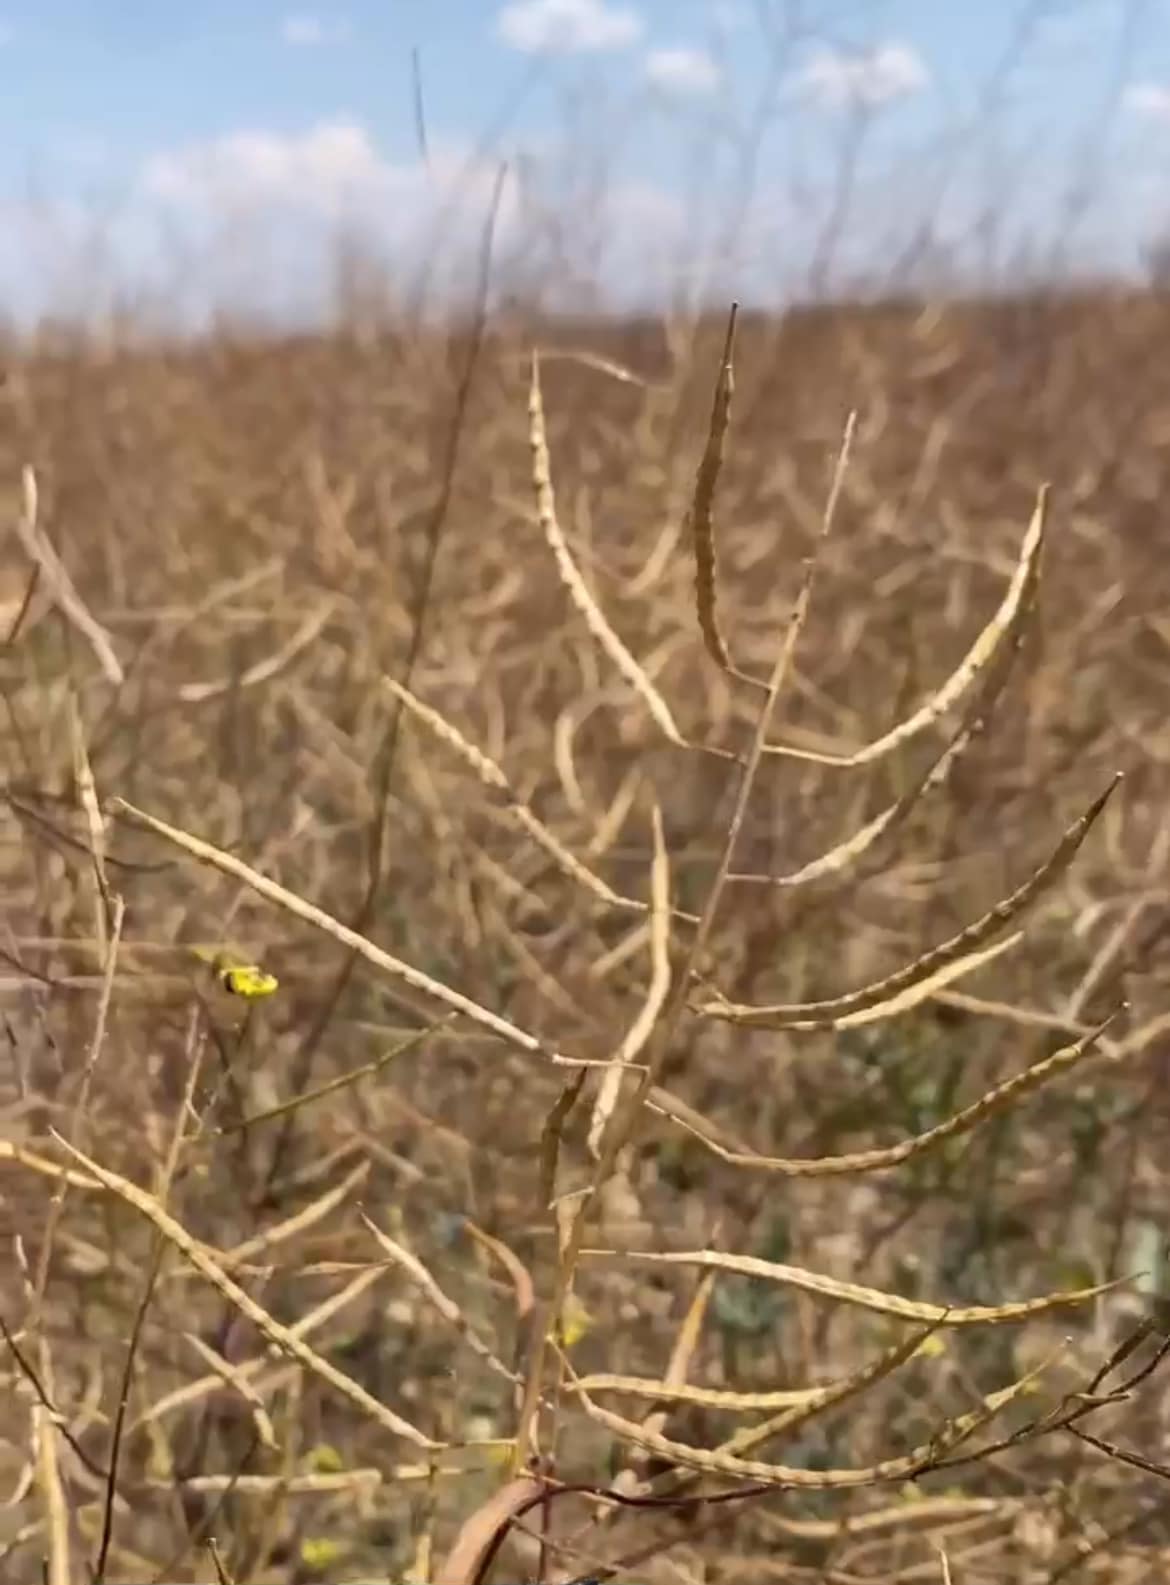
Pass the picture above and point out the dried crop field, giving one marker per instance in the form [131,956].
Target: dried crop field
[308,661]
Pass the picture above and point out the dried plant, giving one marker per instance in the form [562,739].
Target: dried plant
[596,1000]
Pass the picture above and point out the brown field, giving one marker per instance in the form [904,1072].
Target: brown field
[255,534]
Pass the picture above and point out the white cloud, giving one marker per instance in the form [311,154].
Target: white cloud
[312,31]
[567,27]
[682,70]
[323,168]
[1087,23]
[869,79]
[1149,99]
[729,15]
[253,220]
[258,215]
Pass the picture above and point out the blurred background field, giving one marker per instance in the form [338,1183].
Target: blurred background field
[289,458]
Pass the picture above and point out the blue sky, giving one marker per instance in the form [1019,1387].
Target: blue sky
[218,146]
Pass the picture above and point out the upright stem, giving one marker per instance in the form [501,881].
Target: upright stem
[624,1121]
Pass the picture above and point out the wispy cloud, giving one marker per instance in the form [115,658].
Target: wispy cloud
[311,32]
[869,78]
[1090,22]
[256,214]
[324,168]
[567,27]
[682,70]
[729,15]
[1149,99]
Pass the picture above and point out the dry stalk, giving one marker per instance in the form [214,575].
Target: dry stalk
[41,553]
[710,1461]
[864,1298]
[657,991]
[626,1114]
[935,968]
[701,518]
[426,1283]
[839,859]
[579,592]
[193,1391]
[973,665]
[1002,1098]
[282,1337]
[80,1107]
[230,865]
[514,808]
[59,1569]
[263,670]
